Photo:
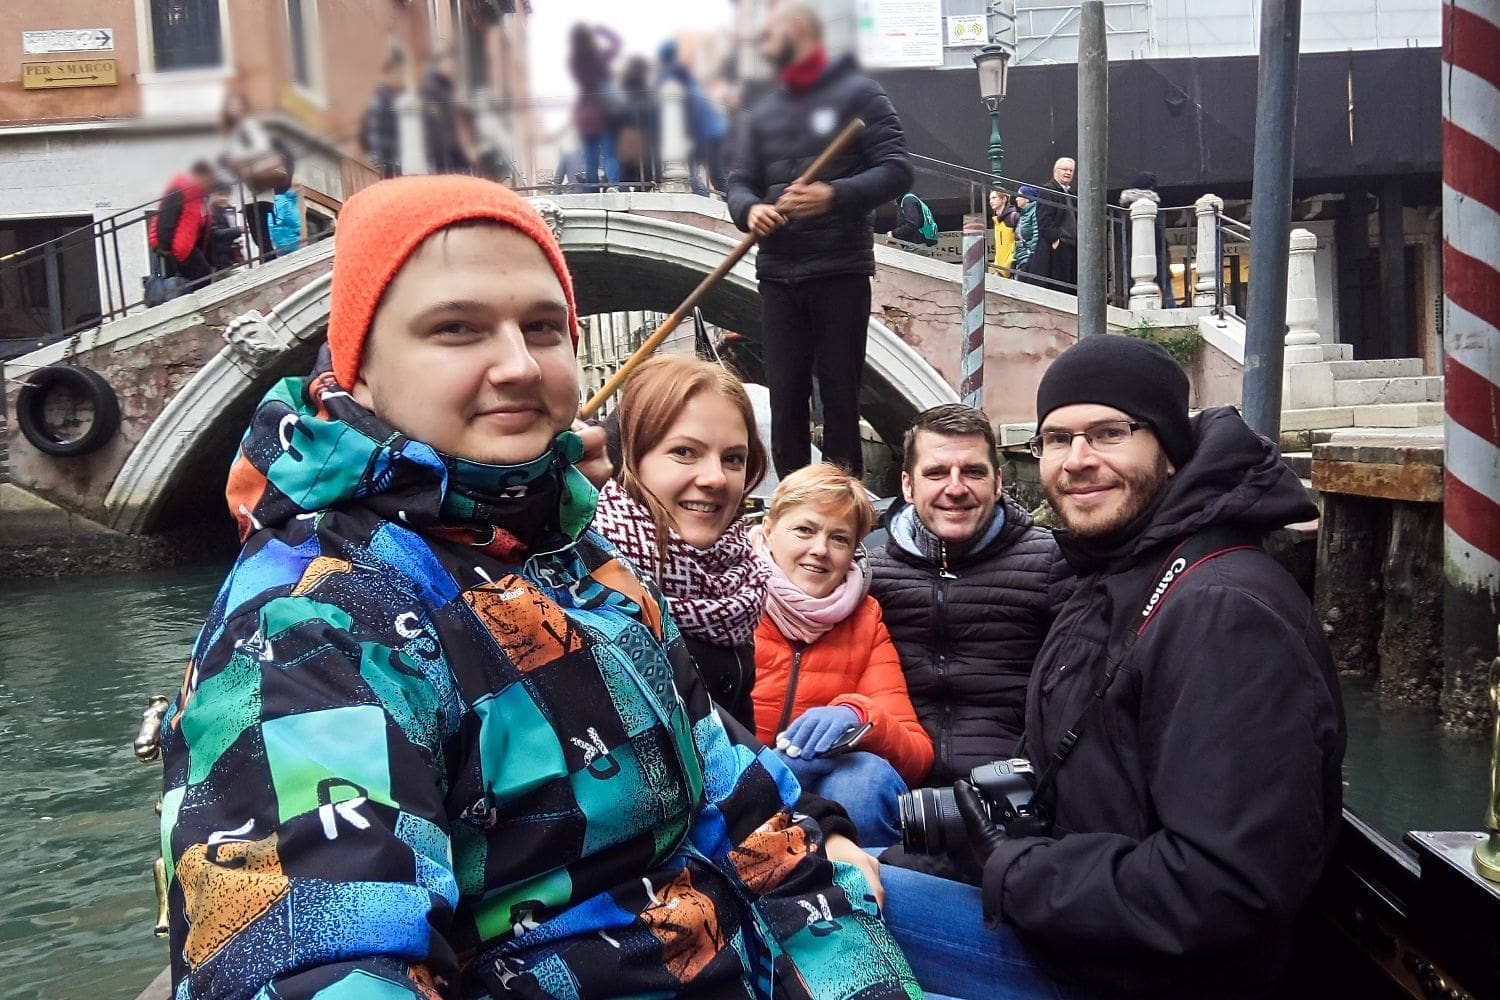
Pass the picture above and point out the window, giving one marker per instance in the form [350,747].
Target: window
[476,54]
[302,28]
[299,42]
[186,34]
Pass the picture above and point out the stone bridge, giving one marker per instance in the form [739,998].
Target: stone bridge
[188,373]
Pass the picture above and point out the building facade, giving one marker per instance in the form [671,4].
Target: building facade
[102,101]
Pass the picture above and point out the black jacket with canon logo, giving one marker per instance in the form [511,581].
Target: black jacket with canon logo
[779,139]
[1203,800]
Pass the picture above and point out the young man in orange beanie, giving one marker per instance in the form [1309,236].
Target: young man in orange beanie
[435,738]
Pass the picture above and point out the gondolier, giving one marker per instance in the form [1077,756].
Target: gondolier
[816,254]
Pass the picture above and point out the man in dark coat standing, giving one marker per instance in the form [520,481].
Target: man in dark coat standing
[1057,221]
[816,252]
[1201,799]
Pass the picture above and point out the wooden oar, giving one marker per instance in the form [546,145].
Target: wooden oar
[837,146]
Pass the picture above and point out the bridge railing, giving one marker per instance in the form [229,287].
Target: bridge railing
[34,277]
[979,183]
[1216,246]
[93,274]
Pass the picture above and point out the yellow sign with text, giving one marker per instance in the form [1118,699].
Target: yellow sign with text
[69,73]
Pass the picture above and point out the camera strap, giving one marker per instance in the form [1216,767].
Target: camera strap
[1188,555]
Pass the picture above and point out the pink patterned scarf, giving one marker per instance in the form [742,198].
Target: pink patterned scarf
[800,616]
[715,594]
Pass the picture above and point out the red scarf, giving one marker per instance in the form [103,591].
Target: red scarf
[802,74]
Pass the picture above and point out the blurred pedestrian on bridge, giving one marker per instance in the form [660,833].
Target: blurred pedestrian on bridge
[255,161]
[379,129]
[601,103]
[706,125]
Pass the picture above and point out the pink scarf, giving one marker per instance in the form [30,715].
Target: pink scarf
[800,616]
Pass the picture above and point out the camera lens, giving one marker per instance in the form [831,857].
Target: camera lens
[930,823]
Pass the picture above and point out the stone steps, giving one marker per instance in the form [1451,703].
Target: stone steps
[1381,368]
[1412,414]
[1375,391]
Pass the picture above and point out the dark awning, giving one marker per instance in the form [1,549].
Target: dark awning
[1189,121]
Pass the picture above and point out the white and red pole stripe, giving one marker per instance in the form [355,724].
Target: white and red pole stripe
[1471,329]
[971,364]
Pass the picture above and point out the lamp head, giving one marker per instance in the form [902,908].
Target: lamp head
[993,62]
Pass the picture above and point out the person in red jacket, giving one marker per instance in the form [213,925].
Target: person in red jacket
[827,677]
[177,229]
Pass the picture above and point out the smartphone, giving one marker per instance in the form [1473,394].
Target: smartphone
[849,740]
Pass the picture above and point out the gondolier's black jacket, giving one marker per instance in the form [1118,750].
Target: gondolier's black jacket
[1200,805]
[779,139]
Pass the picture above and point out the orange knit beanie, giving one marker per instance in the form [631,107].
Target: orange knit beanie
[382,225]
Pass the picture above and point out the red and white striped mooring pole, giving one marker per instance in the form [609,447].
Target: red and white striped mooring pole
[1471,338]
[971,362]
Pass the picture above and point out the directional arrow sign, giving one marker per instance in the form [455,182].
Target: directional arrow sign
[35,43]
[69,73]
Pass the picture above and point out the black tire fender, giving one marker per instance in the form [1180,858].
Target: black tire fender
[31,404]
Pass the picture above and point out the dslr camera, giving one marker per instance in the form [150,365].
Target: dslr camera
[931,824]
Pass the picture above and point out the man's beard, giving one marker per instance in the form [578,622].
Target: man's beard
[1140,490]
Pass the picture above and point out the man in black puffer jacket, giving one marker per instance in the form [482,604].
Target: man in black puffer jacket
[816,249]
[1199,802]
[968,587]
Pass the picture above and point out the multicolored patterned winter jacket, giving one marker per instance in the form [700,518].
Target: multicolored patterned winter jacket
[409,758]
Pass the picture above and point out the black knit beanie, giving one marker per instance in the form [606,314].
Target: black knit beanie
[1132,375]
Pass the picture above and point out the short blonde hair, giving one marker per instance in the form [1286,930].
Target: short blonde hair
[824,485]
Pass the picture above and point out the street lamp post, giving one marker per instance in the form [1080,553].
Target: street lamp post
[993,63]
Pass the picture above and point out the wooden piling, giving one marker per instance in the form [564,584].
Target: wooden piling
[1411,636]
[1347,588]
[1380,562]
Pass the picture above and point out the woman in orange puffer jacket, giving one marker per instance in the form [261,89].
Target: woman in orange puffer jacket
[826,671]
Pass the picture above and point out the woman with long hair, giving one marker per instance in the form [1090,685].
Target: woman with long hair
[829,691]
[689,456]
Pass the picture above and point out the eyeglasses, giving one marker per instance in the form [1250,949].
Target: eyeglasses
[1105,434]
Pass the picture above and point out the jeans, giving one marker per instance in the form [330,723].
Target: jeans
[864,784]
[816,325]
[940,927]
[599,151]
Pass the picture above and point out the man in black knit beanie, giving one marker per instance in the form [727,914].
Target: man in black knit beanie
[1183,820]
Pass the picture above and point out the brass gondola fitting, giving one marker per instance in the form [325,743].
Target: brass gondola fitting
[148,737]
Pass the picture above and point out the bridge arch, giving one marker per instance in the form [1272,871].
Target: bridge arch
[620,260]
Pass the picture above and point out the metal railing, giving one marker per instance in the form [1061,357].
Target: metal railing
[978,184]
[1229,231]
[115,245]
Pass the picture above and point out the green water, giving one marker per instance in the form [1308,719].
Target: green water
[79,658]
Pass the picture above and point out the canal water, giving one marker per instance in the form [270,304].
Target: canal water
[79,657]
